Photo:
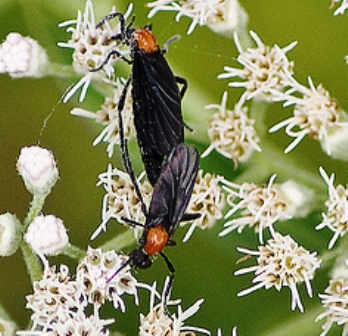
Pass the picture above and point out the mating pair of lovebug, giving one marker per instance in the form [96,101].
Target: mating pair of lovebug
[170,164]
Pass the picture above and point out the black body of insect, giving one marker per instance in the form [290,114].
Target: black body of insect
[156,96]
[170,198]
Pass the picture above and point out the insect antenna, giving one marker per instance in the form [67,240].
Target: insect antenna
[124,265]
[112,16]
[131,222]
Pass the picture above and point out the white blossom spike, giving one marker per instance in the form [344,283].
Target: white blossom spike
[336,217]
[282,263]
[263,69]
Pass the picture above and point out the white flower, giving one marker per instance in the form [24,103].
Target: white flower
[59,303]
[47,235]
[222,16]
[91,47]
[335,301]
[38,169]
[342,8]
[336,218]
[231,132]
[76,325]
[282,263]
[263,69]
[157,322]
[121,199]
[22,57]
[95,272]
[56,297]
[84,325]
[336,141]
[315,113]
[257,206]
[207,200]
[10,234]
[108,116]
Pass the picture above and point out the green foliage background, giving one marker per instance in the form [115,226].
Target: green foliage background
[205,264]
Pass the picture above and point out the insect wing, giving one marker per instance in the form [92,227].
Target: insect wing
[157,94]
[173,189]
[157,109]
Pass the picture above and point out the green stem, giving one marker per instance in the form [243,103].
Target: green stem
[257,112]
[74,252]
[121,241]
[61,70]
[36,206]
[32,262]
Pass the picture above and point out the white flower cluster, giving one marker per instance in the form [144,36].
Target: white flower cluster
[265,69]
[66,305]
[231,132]
[158,322]
[267,74]
[121,199]
[260,206]
[108,116]
[91,46]
[22,57]
[59,303]
[315,114]
[336,217]
[222,16]
[282,262]
[335,300]
[96,273]
[207,199]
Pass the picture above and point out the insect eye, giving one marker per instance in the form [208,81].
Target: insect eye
[140,259]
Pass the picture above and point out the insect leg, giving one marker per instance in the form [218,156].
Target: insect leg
[123,96]
[107,58]
[124,149]
[182,81]
[170,283]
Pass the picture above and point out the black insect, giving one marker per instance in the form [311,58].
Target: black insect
[171,195]
[156,96]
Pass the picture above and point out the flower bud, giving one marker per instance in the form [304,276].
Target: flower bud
[38,169]
[10,235]
[7,328]
[232,18]
[47,235]
[336,142]
[299,199]
[22,57]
